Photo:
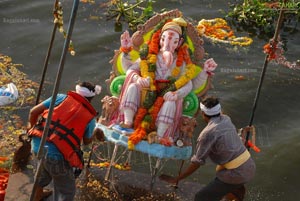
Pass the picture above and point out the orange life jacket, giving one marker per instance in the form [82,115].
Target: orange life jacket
[67,127]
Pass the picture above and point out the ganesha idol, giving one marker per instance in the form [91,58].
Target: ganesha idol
[159,78]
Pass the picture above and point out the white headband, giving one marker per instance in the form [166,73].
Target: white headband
[83,91]
[211,111]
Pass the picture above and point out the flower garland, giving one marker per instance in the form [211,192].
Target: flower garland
[189,74]
[136,137]
[144,122]
[148,65]
[217,30]
[155,110]
[145,119]
[125,166]
[125,50]
[271,50]
[58,20]
[139,116]
[275,52]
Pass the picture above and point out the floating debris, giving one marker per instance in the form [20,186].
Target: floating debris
[10,73]
[8,94]
[239,77]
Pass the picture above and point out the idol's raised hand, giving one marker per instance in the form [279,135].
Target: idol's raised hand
[126,41]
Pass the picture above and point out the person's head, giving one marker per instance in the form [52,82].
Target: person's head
[88,90]
[210,107]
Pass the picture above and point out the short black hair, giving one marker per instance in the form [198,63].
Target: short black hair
[89,86]
[210,102]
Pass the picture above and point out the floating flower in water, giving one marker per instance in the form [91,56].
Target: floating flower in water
[217,30]
[239,77]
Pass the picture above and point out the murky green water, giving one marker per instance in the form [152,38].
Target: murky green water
[25,28]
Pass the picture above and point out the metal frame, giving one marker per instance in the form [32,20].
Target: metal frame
[154,168]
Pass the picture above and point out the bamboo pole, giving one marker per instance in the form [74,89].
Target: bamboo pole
[41,154]
[55,7]
[273,42]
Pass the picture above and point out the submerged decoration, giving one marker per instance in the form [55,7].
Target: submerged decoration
[217,30]
[159,67]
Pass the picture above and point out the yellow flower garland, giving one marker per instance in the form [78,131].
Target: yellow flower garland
[145,73]
[176,71]
[182,80]
[189,74]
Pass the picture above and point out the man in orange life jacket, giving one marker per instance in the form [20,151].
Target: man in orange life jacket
[73,121]
[220,142]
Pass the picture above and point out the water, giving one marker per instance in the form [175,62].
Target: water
[25,28]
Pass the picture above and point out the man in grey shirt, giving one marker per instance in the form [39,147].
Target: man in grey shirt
[220,142]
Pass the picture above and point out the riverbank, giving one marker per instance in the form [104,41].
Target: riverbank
[11,123]
[123,186]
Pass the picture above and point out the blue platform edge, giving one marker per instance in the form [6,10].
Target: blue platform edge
[156,150]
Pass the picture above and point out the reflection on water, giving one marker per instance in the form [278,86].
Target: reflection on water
[25,32]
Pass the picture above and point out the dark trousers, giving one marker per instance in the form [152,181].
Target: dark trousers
[215,190]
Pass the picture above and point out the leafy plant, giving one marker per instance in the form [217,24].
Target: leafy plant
[131,13]
[260,17]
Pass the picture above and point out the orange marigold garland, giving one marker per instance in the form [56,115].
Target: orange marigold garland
[144,122]
[271,50]
[155,110]
[275,52]
[190,68]
[136,137]
[180,55]
[154,43]
[126,50]
[139,116]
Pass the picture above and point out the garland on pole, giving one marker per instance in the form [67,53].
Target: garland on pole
[58,19]
[275,52]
